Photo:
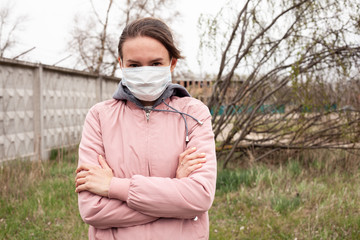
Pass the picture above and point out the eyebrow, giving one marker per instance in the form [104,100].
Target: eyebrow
[157,60]
[133,61]
[153,60]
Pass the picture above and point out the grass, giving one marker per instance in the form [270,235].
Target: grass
[38,200]
[295,199]
[299,199]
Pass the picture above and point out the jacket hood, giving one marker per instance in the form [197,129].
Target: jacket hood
[123,93]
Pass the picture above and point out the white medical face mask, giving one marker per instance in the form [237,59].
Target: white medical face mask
[146,83]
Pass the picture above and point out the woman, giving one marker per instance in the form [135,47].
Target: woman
[147,165]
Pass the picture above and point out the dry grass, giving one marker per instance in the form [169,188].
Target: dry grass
[38,200]
[313,195]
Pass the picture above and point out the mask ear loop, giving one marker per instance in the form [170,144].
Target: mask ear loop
[170,63]
[121,63]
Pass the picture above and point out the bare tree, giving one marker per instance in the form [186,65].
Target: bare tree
[286,52]
[10,25]
[95,42]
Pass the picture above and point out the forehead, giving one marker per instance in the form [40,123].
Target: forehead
[143,48]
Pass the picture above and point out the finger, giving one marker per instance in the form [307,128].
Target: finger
[189,163]
[194,167]
[187,152]
[103,162]
[85,167]
[193,156]
[81,174]
[80,188]
[82,168]
[201,155]
[80,181]
[196,161]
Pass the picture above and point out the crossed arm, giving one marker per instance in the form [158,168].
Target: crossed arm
[97,179]
[191,191]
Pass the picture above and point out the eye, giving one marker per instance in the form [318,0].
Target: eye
[133,65]
[155,64]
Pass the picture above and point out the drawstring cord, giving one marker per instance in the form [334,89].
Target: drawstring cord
[198,121]
[174,110]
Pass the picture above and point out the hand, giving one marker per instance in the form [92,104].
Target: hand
[93,178]
[189,161]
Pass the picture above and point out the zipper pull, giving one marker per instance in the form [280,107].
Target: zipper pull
[147,114]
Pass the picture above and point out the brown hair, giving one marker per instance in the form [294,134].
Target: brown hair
[150,27]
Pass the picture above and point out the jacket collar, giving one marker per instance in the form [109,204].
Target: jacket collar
[123,93]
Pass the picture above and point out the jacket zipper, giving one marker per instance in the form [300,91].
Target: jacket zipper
[147,114]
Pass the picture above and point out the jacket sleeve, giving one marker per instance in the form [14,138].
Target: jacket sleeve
[186,197]
[102,212]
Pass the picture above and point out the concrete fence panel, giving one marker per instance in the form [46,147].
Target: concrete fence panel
[44,107]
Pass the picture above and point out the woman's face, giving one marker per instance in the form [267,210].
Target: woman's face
[145,51]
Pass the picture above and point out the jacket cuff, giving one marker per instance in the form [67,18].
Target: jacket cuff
[119,188]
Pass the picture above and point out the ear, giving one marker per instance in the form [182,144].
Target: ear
[173,64]
[120,62]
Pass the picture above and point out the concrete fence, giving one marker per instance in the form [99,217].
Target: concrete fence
[44,107]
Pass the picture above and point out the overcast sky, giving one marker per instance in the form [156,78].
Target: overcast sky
[50,21]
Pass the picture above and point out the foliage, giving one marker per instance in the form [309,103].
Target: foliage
[95,37]
[10,25]
[297,54]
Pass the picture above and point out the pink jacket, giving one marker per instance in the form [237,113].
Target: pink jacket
[145,200]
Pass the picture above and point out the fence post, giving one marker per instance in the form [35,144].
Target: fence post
[38,114]
[99,83]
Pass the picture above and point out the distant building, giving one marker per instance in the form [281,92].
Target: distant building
[201,87]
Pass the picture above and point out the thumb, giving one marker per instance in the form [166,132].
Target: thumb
[102,162]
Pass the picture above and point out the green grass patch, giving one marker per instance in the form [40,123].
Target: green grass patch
[230,180]
[38,200]
[285,204]
[295,200]
[303,198]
